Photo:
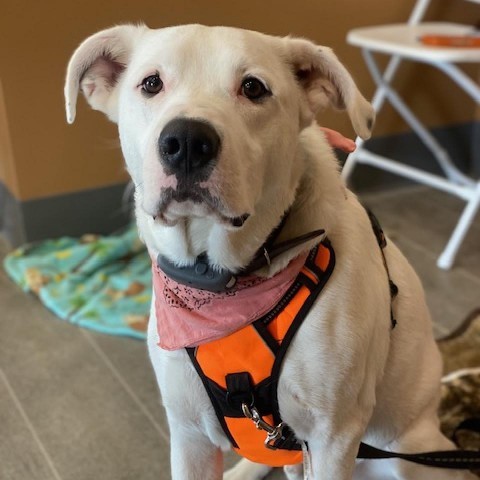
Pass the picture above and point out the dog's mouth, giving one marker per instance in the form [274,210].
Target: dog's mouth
[196,202]
[235,222]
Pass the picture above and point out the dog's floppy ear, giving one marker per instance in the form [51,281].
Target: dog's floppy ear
[96,66]
[327,82]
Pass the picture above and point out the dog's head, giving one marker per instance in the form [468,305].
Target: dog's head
[209,117]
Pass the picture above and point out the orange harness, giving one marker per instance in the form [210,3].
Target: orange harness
[240,372]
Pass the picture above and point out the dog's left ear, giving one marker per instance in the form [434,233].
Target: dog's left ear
[327,82]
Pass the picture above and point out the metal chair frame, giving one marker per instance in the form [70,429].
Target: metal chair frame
[454,181]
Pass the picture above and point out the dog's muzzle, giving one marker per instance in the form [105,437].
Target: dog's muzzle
[189,149]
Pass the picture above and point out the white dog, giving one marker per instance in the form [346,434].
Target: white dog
[217,126]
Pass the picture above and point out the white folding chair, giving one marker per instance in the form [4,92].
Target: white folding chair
[401,42]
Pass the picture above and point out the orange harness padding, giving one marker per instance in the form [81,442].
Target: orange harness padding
[244,367]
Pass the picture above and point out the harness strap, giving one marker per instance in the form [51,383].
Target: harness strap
[382,243]
[239,390]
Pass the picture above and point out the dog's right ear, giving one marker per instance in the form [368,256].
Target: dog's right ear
[95,68]
[325,81]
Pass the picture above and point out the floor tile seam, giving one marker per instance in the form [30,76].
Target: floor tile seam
[125,385]
[29,425]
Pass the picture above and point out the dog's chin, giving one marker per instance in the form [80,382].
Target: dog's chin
[175,212]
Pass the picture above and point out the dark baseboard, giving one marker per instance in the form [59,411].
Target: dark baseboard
[102,210]
[475,147]
[92,211]
[460,141]
[11,219]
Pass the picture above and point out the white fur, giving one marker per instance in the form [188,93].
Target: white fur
[347,375]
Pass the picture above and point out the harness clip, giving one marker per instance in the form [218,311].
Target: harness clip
[273,433]
[274,436]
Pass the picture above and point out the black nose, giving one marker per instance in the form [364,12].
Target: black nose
[188,146]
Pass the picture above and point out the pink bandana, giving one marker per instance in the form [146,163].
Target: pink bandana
[187,317]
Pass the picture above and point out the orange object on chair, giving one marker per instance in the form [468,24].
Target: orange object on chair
[451,41]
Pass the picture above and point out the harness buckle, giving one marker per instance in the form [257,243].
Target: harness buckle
[273,432]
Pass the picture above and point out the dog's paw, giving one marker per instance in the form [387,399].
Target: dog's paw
[246,470]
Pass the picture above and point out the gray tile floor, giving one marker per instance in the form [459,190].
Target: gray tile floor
[76,405]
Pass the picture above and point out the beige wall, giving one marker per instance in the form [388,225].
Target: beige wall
[7,167]
[45,156]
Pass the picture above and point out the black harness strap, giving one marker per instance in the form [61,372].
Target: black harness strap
[297,322]
[382,243]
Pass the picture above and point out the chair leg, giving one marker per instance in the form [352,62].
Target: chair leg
[446,259]
[455,177]
[441,155]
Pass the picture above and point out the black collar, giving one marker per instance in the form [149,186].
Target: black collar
[204,276]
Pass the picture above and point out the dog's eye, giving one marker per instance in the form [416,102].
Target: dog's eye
[152,84]
[254,89]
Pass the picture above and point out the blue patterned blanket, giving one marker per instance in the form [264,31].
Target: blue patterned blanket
[99,282]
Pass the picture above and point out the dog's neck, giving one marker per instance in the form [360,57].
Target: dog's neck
[202,275]
[311,208]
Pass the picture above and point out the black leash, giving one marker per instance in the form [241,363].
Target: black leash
[453,459]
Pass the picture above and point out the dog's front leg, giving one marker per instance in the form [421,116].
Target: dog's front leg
[192,455]
[332,452]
